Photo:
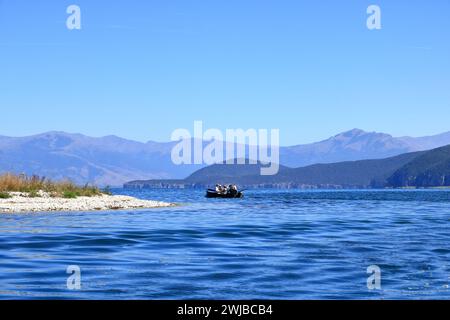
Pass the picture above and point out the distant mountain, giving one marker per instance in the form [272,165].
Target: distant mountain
[431,169]
[224,173]
[113,160]
[108,160]
[348,174]
[427,143]
[357,144]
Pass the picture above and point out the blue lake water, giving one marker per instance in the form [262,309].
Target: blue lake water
[273,244]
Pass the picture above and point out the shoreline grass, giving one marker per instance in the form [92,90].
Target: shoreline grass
[4,195]
[32,185]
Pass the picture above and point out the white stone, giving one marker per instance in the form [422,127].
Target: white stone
[20,202]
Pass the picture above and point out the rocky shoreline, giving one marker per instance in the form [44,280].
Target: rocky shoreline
[43,202]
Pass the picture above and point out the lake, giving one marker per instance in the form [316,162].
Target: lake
[273,244]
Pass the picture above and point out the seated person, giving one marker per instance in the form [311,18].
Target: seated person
[232,189]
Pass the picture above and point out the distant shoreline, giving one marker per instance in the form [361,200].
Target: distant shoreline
[22,203]
[165,186]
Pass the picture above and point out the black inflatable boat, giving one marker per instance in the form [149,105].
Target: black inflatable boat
[210,193]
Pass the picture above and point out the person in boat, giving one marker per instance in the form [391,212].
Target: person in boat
[221,189]
[232,189]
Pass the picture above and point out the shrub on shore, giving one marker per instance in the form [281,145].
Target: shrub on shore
[69,195]
[4,195]
[32,184]
[33,194]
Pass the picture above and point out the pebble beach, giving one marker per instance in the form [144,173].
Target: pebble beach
[43,202]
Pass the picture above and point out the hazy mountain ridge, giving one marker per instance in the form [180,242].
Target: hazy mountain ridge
[355,144]
[112,160]
[107,160]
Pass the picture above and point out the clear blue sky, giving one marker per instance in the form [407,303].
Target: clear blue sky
[140,69]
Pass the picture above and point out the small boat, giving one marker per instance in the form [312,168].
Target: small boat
[210,193]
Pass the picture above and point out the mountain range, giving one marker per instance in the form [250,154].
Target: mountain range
[415,169]
[357,144]
[112,160]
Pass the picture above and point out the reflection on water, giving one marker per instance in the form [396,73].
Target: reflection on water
[271,244]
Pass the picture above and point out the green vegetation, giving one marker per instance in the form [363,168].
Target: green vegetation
[70,194]
[4,195]
[32,184]
[33,194]
[432,169]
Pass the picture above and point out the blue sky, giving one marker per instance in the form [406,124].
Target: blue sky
[141,69]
